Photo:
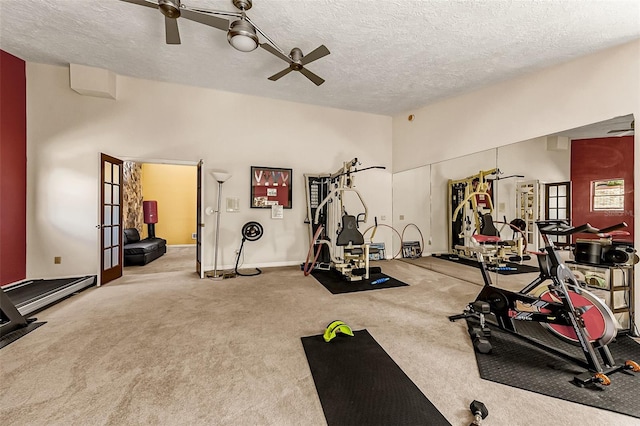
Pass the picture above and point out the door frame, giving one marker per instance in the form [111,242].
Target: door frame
[199,219]
[200,210]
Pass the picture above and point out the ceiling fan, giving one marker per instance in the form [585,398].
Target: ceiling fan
[631,129]
[297,61]
[242,33]
[172,10]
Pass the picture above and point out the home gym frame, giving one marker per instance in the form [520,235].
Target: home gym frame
[333,232]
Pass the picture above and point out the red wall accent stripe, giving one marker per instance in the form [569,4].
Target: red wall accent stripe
[13,169]
[601,159]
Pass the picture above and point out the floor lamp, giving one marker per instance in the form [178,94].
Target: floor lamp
[221,178]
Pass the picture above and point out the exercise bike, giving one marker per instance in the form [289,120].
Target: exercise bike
[557,301]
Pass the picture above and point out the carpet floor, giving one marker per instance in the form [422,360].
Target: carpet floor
[167,348]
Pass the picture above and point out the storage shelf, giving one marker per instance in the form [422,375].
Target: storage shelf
[614,284]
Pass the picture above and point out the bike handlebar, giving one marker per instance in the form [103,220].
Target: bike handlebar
[562,227]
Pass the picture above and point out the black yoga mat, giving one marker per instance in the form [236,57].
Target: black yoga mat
[515,362]
[517,268]
[336,284]
[359,384]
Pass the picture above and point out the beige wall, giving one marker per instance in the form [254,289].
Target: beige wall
[584,91]
[156,122]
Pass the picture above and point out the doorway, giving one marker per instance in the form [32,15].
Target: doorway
[176,189]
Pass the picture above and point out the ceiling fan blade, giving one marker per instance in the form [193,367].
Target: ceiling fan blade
[203,18]
[274,51]
[320,52]
[143,3]
[311,76]
[171,28]
[280,74]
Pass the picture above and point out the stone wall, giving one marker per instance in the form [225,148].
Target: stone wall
[132,214]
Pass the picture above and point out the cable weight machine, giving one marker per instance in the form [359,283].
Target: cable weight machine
[335,241]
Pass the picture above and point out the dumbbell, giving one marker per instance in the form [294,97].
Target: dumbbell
[479,411]
[480,341]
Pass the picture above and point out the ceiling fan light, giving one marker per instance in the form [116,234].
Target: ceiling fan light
[170,8]
[242,36]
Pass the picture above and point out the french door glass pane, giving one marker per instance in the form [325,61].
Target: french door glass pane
[107,216]
[107,237]
[107,259]
[116,174]
[107,193]
[116,235]
[107,172]
[116,194]
[115,259]
[116,215]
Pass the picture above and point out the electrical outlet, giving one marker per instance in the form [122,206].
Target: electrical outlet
[383,217]
[194,236]
[57,260]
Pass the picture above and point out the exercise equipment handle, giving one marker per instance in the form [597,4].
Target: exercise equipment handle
[562,227]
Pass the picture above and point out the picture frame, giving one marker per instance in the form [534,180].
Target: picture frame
[271,186]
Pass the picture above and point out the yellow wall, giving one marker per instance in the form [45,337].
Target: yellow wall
[174,188]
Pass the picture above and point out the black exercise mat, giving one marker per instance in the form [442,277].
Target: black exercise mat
[359,384]
[8,338]
[336,284]
[518,363]
[519,269]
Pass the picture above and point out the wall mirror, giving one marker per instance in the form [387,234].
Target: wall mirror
[549,177]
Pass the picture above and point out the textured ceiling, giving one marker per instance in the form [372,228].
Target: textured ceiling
[387,57]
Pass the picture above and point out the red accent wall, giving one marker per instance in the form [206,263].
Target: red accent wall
[601,159]
[13,169]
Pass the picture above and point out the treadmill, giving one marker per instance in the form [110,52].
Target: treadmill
[33,295]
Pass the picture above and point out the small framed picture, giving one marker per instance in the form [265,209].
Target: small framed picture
[270,187]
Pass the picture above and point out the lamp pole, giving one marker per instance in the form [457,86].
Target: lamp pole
[221,178]
[215,256]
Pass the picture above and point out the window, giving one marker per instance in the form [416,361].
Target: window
[558,206]
[607,195]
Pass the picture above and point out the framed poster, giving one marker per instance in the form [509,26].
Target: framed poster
[270,187]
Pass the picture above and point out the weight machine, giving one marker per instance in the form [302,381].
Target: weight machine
[469,198]
[333,232]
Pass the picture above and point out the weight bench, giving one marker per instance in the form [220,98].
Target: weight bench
[355,264]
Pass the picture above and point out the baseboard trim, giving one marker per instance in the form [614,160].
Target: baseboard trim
[255,265]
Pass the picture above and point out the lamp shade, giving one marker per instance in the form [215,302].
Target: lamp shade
[150,210]
[221,177]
